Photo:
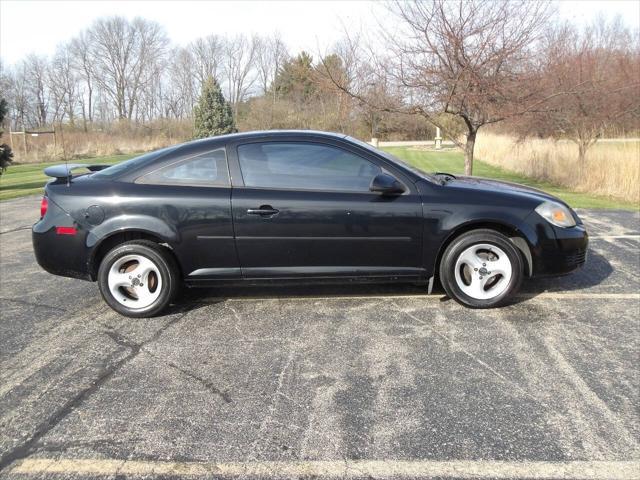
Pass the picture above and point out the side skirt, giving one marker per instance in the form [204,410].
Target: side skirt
[319,280]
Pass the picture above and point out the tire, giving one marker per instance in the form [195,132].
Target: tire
[138,278]
[481,269]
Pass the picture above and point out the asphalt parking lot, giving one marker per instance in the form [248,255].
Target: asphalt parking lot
[339,382]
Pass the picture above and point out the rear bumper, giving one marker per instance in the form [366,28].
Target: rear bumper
[64,255]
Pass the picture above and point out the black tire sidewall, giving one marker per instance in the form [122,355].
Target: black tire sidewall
[167,272]
[447,268]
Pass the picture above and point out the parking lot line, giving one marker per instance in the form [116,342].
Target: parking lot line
[613,237]
[592,470]
[603,296]
[528,296]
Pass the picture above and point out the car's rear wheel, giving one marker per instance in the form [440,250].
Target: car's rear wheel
[481,269]
[138,278]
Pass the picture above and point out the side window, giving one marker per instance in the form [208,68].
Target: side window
[207,169]
[304,166]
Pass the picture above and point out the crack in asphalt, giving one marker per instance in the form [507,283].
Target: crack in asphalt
[17,229]
[29,446]
[33,304]
[203,381]
[123,341]
[274,401]
[61,447]
[207,384]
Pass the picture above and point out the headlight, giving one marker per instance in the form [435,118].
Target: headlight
[556,214]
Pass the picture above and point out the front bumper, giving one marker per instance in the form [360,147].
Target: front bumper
[562,252]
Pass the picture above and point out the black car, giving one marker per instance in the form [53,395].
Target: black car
[301,206]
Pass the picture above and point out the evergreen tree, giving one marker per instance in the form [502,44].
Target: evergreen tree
[212,114]
[6,155]
[296,79]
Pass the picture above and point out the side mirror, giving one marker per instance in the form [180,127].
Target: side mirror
[386,185]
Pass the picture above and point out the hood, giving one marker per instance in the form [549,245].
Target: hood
[497,186]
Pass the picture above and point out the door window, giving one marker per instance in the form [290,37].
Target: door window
[304,166]
[207,169]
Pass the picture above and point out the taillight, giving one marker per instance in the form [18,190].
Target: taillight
[66,230]
[44,205]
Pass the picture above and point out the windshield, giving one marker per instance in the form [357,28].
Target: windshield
[134,163]
[394,159]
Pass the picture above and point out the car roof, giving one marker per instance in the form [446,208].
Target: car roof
[264,134]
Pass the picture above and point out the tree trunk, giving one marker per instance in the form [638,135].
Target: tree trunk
[583,146]
[84,117]
[90,105]
[582,152]
[468,152]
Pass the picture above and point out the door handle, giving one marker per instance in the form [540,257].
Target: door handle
[264,210]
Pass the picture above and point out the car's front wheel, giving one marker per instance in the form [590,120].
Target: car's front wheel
[481,269]
[138,278]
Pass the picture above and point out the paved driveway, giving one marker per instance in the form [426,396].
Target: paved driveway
[355,382]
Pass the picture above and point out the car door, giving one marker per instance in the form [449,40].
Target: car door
[193,196]
[304,208]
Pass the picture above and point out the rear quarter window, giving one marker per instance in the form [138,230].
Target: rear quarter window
[205,169]
[133,164]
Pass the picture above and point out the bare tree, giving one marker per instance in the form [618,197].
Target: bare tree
[125,56]
[459,65]
[207,53]
[271,53]
[63,83]
[83,63]
[599,67]
[182,84]
[36,69]
[239,56]
[471,59]
[14,90]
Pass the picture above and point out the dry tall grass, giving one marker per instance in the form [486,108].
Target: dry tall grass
[118,138]
[611,169]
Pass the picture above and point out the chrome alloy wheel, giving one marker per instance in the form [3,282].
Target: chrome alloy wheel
[135,281]
[483,271]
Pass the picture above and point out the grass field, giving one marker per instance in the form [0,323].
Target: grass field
[20,180]
[611,168]
[29,179]
[452,161]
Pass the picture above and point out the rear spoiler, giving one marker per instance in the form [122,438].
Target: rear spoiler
[63,171]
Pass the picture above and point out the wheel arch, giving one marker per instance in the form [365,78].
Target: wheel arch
[516,235]
[108,242]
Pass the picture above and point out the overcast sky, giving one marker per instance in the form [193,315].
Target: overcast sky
[38,26]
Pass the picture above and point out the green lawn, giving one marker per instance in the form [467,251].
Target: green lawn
[28,179]
[452,161]
[20,180]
